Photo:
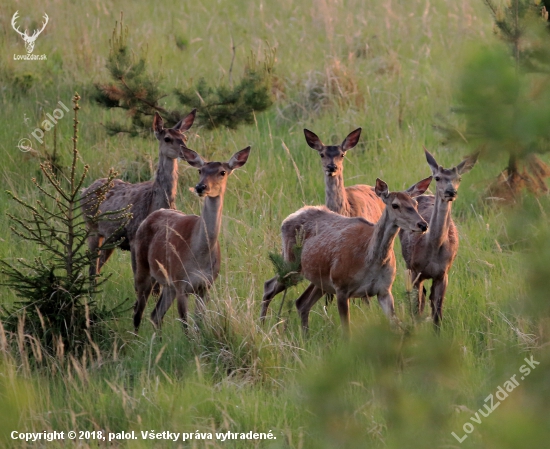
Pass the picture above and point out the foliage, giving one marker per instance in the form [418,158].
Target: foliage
[138,92]
[506,100]
[230,106]
[57,305]
[133,89]
[288,272]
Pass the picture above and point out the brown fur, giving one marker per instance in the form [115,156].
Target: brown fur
[181,252]
[144,197]
[348,256]
[430,256]
[354,201]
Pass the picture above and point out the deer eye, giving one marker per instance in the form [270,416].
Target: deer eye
[395,206]
[459,179]
[322,155]
[437,178]
[167,139]
[200,172]
[222,173]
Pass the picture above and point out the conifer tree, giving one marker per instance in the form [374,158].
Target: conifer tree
[56,290]
[505,97]
[137,90]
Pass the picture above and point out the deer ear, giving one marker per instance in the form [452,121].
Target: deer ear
[381,188]
[185,123]
[239,158]
[192,158]
[431,161]
[313,141]
[158,124]
[352,139]
[467,164]
[419,188]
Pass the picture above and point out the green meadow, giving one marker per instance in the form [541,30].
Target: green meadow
[391,67]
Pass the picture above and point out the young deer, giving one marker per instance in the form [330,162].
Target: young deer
[354,201]
[349,257]
[181,252]
[430,256]
[145,197]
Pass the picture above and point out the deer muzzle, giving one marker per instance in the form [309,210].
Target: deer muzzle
[200,189]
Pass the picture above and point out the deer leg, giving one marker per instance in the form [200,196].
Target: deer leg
[143,290]
[163,304]
[271,289]
[386,302]
[181,298]
[201,298]
[421,293]
[305,302]
[93,245]
[343,310]
[421,297]
[104,257]
[437,295]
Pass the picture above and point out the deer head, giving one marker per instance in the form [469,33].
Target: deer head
[401,207]
[172,140]
[213,175]
[29,40]
[332,156]
[448,179]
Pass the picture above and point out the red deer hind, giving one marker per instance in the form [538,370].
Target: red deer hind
[145,197]
[354,201]
[349,257]
[181,252]
[430,256]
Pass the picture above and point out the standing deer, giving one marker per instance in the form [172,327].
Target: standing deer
[181,252]
[354,201]
[144,197]
[430,256]
[349,257]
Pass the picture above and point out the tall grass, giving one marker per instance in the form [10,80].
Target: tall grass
[388,67]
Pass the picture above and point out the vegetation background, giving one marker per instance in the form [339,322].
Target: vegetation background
[391,67]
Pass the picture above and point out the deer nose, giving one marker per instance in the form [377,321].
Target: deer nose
[450,192]
[331,168]
[200,188]
[423,226]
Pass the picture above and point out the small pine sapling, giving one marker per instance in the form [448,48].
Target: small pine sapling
[57,303]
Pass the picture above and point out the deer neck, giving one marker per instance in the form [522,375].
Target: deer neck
[209,224]
[439,223]
[336,198]
[166,184]
[380,247]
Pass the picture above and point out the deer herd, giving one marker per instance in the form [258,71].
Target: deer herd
[345,246]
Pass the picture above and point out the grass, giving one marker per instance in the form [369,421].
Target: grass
[389,67]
